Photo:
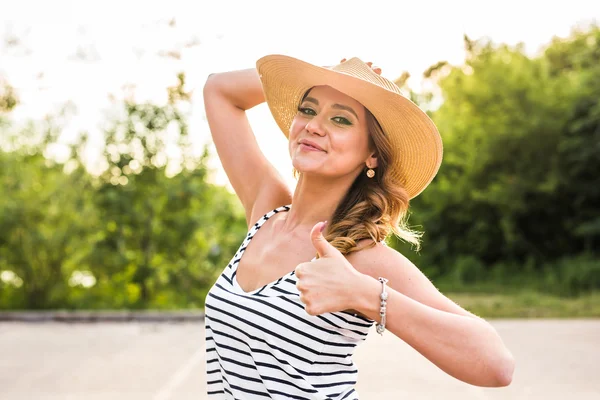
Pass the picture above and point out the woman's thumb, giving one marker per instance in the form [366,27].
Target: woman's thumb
[323,247]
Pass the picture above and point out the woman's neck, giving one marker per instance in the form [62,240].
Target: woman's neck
[313,201]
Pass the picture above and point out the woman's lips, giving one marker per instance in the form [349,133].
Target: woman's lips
[308,147]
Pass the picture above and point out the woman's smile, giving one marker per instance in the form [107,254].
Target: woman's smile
[306,147]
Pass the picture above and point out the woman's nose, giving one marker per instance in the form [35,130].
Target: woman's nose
[315,126]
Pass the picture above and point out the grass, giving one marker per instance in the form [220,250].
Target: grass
[528,304]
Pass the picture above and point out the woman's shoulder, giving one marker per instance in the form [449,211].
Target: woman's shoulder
[377,258]
[369,246]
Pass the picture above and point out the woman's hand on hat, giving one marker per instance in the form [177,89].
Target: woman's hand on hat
[329,283]
[375,69]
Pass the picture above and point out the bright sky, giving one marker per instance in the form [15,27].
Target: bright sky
[122,41]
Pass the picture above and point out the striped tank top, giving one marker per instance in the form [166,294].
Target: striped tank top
[263,344]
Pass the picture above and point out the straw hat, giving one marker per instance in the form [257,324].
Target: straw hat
[416,142]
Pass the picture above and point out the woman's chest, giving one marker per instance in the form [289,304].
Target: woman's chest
[265,261]
[274,323]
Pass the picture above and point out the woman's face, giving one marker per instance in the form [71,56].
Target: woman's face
[337,124]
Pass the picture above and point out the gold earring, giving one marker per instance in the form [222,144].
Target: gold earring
[370,173]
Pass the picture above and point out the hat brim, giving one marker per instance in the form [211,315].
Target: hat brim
[416,141]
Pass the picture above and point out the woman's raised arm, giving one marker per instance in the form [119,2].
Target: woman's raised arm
[257,183]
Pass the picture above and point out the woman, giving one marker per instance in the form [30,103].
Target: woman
[283,325]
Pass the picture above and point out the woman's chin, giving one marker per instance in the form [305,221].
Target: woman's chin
[305,166]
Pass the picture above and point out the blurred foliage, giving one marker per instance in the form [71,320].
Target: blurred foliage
[8,99]
[518,192]
[515,203]
[529,304]
[134,237]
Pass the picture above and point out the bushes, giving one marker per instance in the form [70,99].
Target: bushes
[515,203]
[568,276]
[573,276]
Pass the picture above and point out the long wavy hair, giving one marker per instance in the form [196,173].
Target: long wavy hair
[373,207]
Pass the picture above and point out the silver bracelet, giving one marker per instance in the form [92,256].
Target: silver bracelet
[380,327]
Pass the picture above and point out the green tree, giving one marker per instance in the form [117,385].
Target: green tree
[518,184]
[162,238]
[138,236]
[44,220]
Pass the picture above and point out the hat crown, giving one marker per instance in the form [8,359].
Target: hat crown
[359,69]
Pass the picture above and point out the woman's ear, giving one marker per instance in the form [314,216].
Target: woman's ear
[372,160]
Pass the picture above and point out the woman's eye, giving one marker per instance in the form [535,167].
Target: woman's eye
[310,111]
[305,110]
[343,120]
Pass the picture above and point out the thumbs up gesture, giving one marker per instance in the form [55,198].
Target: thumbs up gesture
[329,283]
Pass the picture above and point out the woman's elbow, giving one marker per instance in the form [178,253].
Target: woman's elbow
[504,370]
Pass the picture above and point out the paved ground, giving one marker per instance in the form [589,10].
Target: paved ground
[163,361]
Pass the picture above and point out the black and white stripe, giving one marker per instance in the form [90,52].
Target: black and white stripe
[263,344]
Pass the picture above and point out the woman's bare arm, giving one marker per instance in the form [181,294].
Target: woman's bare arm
[257,183]
[458,342]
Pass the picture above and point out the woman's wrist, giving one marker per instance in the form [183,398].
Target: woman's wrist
[367,299]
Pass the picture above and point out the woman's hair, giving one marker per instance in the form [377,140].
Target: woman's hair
[372,207]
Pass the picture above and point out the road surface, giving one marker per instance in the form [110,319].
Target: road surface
[556,359]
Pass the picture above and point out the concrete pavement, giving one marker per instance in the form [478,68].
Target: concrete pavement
[556,359]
